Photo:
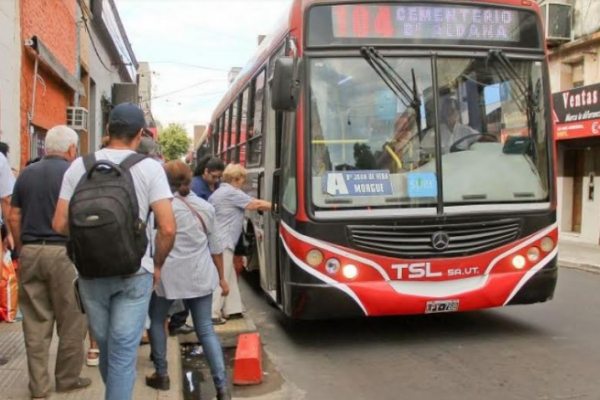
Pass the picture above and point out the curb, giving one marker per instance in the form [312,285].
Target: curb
[228,333]
[594,269]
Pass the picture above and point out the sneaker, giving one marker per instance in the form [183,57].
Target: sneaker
[223,394]
[182,330]
[219,321]
[93,358]
[81,383]
[159,382]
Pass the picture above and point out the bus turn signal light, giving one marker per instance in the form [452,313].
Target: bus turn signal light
[314,258]
[547,244]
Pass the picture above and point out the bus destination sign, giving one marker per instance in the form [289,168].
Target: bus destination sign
[358,183]
[428,22]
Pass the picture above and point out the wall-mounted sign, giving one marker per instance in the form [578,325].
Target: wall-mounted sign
[577,112]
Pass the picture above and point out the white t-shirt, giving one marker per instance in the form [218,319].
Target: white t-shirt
[149,179]
[7,180]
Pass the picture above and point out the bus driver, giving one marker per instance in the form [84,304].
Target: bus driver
[452,130]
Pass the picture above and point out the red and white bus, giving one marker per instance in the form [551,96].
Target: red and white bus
[407,148]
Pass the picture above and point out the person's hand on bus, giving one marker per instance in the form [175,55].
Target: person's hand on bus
[224,287]
[257,204]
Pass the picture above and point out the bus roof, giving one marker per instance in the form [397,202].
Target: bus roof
[289,22]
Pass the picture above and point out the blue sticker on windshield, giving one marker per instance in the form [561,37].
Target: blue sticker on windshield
[422,184]
[358,183]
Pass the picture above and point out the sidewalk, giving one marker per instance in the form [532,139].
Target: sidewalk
[579,255]
[14,378]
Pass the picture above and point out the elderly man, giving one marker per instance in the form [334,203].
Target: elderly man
[46,274]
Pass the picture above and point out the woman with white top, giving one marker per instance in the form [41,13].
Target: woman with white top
[230,203]
[192,271]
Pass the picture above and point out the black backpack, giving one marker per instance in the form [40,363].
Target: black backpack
[107,238]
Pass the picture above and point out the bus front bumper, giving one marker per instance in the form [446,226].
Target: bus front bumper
[313,299]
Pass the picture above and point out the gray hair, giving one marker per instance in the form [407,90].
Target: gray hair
[60,138]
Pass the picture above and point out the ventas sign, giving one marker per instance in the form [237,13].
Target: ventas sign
[577,112]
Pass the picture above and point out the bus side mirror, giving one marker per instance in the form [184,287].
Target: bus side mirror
[285,87]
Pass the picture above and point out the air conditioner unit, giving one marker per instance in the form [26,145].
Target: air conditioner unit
[77,118]
[558,21]
[125,93]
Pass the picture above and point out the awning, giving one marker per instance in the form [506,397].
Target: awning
[52,62]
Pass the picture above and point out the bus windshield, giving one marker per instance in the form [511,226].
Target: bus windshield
[371,148]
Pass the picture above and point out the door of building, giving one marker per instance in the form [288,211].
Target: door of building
[575,168]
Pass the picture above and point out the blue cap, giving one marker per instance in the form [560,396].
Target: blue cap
[131,114]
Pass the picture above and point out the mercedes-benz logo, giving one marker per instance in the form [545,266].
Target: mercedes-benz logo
[440,241]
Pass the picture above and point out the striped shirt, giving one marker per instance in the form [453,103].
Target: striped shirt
[230,204]
[189,270]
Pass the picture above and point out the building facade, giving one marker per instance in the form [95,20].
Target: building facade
[76,63]
[49,78]
[144,74]
[111,65]
[575,80]
[10,72]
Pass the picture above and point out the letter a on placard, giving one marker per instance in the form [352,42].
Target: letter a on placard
[336,185]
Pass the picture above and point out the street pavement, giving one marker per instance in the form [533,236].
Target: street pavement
[14,378]
[538,352]
[579,255]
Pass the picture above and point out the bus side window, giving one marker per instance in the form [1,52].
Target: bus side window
[243,127]
[255,130]
[214,140]
[235,119]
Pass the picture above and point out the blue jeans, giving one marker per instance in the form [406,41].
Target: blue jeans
[116,310]
[201,309]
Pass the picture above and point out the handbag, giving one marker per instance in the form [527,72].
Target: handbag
[193,210]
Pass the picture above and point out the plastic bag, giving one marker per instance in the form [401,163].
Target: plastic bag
[9,290]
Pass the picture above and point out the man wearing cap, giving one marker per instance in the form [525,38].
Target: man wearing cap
[117,306]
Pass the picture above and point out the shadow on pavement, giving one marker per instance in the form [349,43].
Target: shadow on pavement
[477,326]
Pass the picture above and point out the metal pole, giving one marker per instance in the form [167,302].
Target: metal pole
[35,74]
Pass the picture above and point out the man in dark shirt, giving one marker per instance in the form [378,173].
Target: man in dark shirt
[207,176]
[46,274]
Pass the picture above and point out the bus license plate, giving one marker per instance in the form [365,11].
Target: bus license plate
[440,306]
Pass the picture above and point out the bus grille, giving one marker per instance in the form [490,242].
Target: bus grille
[416,241]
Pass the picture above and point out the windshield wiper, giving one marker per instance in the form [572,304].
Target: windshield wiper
[507,72]
[398,85]
[392,79]
[531,104]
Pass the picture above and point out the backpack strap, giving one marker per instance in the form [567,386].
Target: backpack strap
[88,162]
[132,160]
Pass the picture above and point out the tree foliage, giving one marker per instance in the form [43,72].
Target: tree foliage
[174,142]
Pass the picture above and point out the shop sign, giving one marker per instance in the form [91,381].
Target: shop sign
[577,112]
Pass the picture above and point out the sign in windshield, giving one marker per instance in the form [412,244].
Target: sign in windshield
[422,23]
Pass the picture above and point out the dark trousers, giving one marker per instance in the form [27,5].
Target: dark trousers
[179,319]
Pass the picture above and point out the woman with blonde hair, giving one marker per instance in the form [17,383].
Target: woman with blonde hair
[192,271]
[230,203]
